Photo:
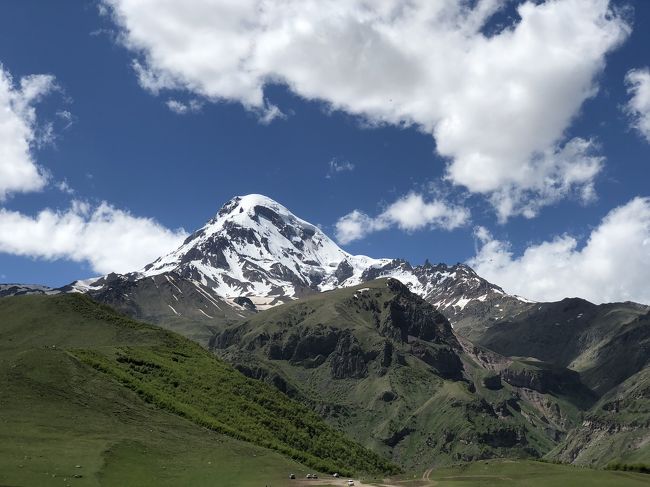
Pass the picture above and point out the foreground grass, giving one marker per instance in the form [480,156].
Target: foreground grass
[115,437]
[530,474]
[64,362]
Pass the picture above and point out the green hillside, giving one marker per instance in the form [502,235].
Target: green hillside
[383,365]
[64,365]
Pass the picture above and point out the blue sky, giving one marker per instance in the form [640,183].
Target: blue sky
[119,142]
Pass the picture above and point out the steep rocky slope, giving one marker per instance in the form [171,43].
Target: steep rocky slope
[605,343]
[616,429]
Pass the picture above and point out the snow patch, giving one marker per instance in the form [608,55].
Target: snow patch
[206,314]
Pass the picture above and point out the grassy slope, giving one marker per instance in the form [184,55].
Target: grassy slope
[531,474]
[57,412]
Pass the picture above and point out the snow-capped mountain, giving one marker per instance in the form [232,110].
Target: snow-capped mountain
[255,253]
[255,247]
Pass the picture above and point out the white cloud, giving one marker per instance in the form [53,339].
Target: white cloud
[338,165]
[498,106]
[64,187]
[613,264]
[109,239]
[553,175]
[180,108]
[409,213]
[355,226]
[67,118]
[19,132]
[638,106]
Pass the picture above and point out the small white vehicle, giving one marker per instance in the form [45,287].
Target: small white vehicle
[350,482]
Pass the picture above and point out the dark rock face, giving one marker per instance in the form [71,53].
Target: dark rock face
[501,409]
[443,359]
[283,272]
[348,359]
[387,354]
[313,345]
[388,396]
[224,339]
[245,302]
[409,315]
[493,382]
[544,380]
[303,346]
[398,436]
[507,437]
[297,234]
[343,271]
[265,375]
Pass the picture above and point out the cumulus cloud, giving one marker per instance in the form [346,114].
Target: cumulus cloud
[20,133]
[109,239]
[556,173]
[613,264]
[498,105]
[409,213]
[338,165]
[638,106]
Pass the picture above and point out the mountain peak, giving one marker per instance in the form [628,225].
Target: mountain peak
[246,203]
[258,211]
[255,246]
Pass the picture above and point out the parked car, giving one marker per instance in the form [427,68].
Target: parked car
[350,482]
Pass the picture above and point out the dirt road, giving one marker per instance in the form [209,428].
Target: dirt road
[343,482]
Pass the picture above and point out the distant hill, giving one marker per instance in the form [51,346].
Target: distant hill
[24,289]
[605,343]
